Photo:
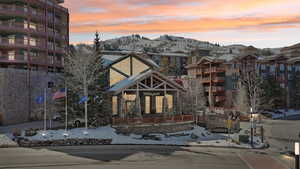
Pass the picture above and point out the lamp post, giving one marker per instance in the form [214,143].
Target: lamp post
[251,121]
[297,152]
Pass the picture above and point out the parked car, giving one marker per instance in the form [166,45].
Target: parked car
[56,117]
[77,122]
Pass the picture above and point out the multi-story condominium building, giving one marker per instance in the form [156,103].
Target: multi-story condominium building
[34,34]
[220,75]
[34,37]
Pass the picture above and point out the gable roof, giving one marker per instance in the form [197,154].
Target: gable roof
[118,87]
[112,59]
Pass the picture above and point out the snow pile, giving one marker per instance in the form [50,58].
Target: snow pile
[6,141]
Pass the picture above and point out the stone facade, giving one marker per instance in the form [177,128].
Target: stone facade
[17,97]
[157,128]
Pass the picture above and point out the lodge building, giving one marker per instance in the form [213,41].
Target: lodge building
[140,92]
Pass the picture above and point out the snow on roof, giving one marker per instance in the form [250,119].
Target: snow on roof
[109,59]
[227,57]
[124,83]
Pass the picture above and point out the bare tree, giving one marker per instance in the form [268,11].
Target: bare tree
[251,82]
[241,101]
[82,70]
[194,99]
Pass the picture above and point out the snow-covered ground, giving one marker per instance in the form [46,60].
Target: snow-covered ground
[6,141]
[195,137]
[201,137]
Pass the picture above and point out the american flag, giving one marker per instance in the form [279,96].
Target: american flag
[59,94]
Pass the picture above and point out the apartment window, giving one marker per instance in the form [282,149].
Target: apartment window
[297,68]
[263,67]
[11,39]
[289,67]
[272,68]
[290,77]
[11,55]
[281,67]
[34,11]
[25,24]
[25,8]
[32,42]
[25,55]
[32,25]
[26,40]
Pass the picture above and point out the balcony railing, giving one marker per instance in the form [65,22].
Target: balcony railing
[215,89]
[214,79]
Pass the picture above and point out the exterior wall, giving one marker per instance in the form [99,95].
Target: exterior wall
[17,98]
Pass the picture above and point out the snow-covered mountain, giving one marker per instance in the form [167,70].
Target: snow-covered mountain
[165,43]
[174,44]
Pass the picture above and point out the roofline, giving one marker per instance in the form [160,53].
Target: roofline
[135,55]
[147,75]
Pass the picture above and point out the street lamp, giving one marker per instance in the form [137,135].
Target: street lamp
[251,121]
[297,152]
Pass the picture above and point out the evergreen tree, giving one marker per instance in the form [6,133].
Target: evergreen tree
[297,91]
[272,93]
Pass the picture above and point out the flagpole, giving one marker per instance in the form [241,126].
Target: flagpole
[66,108]
[45,109]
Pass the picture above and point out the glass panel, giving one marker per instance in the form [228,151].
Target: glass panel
[147,104]
[138,66]
[281,67]
[11,39]
[11,55]
[123,66]
[159,103]
[130,97]
[32,41]
[32,25]
[170,101]
[115,105]
[115,77]
[25,24]
[272,68]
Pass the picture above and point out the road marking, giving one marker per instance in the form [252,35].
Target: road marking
[245,161]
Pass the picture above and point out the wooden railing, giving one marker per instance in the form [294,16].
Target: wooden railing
[153,120]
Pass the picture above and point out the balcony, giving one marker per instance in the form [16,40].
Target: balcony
[218,79]
[212,70]
[215,89]
[8,27]
[214,79]
[19,43]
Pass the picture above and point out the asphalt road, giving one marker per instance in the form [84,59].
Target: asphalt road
[282,133]
[123,157]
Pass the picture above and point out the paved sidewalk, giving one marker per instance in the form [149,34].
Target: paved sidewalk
[27,125]
[261,161]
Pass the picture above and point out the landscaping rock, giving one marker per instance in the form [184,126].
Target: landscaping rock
[23,142]
[30,132]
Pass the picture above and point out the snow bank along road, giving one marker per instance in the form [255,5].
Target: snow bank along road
[132,157]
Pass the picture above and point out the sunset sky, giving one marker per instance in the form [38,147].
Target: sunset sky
[262,23]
